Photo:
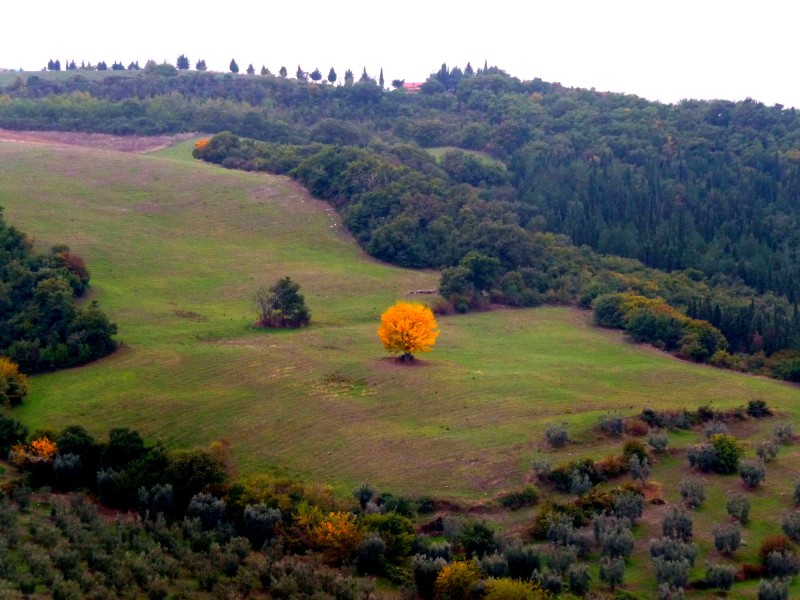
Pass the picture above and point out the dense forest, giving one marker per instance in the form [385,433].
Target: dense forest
[704,190]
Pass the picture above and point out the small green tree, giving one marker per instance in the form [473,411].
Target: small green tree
[233,66]
[282,305]
[332,76]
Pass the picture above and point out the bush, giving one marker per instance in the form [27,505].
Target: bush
[260,521]
[767,450]
[371,554]
[693,491]
[477,538]
[522,560]
[580,483]
[364,494]
[677,524]
[673,549]
[425,572]
[729,452]
[658,441]
[633,448]
[557,435]
[738,507]
[702,457]
[617,543]
[527,496]
[782,563]
[494,565]
[456,580]
[611,424]
[713,428]
[612,571]
[560,529]
[758,409]
[790,523]
[640,468]
[670,592]
[752,471]
[579,579]
[629,505]
[773,589]
[12,432]
[208,509]
[439,550]
[67,471]
[673,572]
[720,576]
[783,432]
[559,558]
[774,543]
[550,581]
[727,538]
[282,305]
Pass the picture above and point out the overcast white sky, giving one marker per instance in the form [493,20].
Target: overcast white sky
[659,50]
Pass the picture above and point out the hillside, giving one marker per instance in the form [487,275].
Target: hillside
[177,249]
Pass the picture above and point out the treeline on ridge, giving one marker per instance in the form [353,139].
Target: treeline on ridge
[41,326]
[699,184]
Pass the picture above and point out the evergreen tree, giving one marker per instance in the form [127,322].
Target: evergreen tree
[283,72]
[301,75]
[264,70]
[251,70]
[233,66]
[348,77]
[468,70]
[200,65]
[134,66]
[316,75]
[71,66]
[380,79]
[182,63]
[102,66]
[332,76]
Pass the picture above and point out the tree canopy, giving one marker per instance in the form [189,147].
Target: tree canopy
[282,305]
[406,328]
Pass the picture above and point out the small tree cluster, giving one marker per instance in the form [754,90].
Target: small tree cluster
[720,576]
[727,538]
[611,424]
[556,434]
[282,305]
[693,491]
[677,524]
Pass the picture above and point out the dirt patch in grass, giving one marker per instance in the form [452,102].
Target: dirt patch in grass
[103,141]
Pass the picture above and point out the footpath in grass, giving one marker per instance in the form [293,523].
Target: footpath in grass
[177,249]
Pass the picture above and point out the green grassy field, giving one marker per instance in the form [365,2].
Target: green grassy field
[177,249]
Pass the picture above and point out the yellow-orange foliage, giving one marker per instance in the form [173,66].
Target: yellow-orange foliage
[337,537]
[408,327]
[200,144]
[44,448]
[40,450]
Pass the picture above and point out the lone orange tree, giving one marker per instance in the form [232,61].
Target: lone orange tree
[408,327]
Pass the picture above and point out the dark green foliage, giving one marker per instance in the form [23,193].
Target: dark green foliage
[370,554]
[773,589]
[234,68]
[728,453]
[727,538]
[612,571]
[124,446]
[557,435]
[560,558]
[11,432]
[758,409]
[720,576]
[477,538]
[693,491]
[522,560]
[738,507]
[282,305]
[364,494]
[702,457]
[67,471]
[767,450]
[677,524]
[425,572]
[397,533]
[579,579]
[182,63]
[672,572]
[260,522]
[527,496]
[494,565]
[752,471]
[633,448]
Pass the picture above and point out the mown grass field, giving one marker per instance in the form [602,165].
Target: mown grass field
[176,249]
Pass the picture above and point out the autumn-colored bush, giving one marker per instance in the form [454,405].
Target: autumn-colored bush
[13,384]
[455,581]
[509,589]
[406,328]
[40,450]
[774,543]
[336,537]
